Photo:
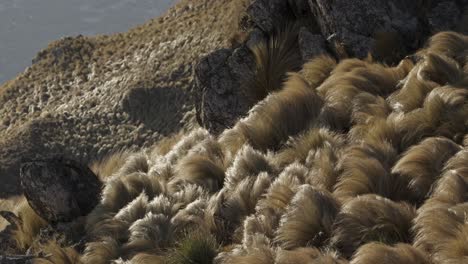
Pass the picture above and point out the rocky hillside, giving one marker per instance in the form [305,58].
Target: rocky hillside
[85,97]
[333,132]
[384,31]
[349,161]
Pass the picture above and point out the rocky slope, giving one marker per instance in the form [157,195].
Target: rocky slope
[348,161]
[84,97]
[385,31]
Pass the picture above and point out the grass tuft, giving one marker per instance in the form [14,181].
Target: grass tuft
[195,248]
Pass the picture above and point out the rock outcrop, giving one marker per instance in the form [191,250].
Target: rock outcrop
[303,175]
[387,30]
[60,190]
[85,97]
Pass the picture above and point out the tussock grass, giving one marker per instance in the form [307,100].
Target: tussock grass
[347,161]
[194,248]
[275,56]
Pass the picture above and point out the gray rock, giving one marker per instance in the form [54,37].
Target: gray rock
[354,24]
[255,37]
[220,98]
[59,190]
[269,14]
[348,27]
[310,44]
[444,16]
[221,77]
[265,14]
[300,8]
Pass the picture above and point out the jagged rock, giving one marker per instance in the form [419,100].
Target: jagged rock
[388,30]
[310,44]
[59,190]
[300,8]
[219,81]
[353,25]
[221,77]
[255,37]
[265,14]
[269,14]
[444,16]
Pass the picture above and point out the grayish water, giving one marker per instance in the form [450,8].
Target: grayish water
[27,26]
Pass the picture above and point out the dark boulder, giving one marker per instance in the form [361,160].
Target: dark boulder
[444,15]
[59,190]
[221,79]
[310,44]
[355,25]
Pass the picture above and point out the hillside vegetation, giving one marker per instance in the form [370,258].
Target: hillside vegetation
[339,160]
[369,164]
[85,97]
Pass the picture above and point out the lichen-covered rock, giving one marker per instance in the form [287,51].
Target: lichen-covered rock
[355,24]
[444,15]
[220,83]
[266,14]
[311,44]
[222,77]
[387,30]
[60,190]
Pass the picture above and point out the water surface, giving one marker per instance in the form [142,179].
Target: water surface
[27,26]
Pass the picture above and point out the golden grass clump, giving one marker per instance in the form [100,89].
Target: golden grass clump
[422,164]
[308,219]
[55,254]
[199,170]
[317,70]
[166,144]
[101,252]
[274,56]
[442,114]
[308,144]
[370,218]
[109,165]
[280,115]
[450,44]
[440,227]
[366,169]
[248,162]
[308,255]
[344,162]
[9,205]
[380,253]
[194,247]
[412,93]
